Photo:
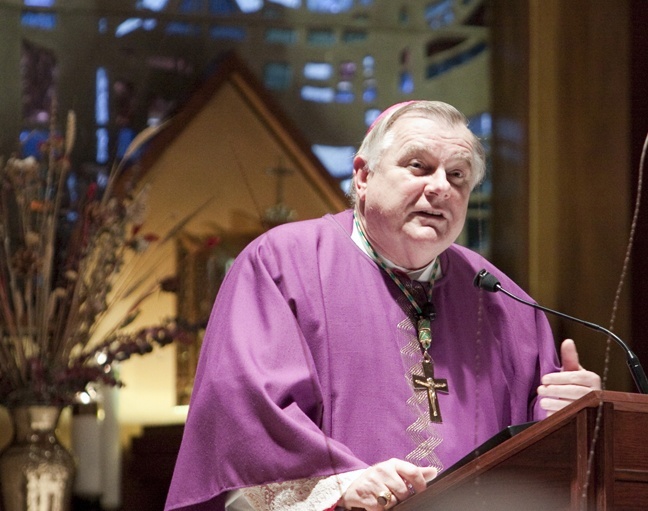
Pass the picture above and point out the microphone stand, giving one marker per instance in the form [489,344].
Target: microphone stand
[488,282]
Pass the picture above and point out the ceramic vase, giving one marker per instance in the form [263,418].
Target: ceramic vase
[36,471]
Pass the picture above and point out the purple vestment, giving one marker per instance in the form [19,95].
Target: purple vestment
[301,372]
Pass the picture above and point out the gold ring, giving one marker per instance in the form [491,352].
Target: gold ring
[384,498]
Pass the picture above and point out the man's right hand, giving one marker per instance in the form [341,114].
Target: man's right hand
[385,484]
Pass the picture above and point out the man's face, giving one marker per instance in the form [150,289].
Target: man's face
[413,204]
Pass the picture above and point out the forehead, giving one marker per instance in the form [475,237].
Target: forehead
[416,129]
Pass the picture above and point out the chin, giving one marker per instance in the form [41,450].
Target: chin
[425,234]
[427,245]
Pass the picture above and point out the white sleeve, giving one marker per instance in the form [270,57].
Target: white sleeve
[319,493]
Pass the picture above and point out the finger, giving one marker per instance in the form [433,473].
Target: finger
[551,405]
[365,495]
[378,487]
[403,478]
[414,477]
[387,499]
[582,377]
[411,480]
[567,392]
[429,473]
[569,356]
[380,499]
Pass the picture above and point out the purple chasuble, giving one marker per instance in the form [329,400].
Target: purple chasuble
[301,372]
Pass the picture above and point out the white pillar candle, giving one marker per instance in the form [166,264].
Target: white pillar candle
[111,451]
[86,447]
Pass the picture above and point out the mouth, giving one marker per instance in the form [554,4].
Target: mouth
[429,214]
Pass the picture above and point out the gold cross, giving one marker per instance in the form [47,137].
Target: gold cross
[431,386]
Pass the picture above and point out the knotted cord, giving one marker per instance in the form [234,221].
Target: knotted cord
[615,306]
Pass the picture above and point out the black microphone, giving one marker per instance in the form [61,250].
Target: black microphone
[488,282]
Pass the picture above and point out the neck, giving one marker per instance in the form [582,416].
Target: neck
[425,273]
[401,262]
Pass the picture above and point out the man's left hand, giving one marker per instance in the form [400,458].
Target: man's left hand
[571,383]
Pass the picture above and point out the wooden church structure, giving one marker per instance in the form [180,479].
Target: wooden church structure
[232,165]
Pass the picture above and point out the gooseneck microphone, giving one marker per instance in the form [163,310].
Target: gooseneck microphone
[488,282]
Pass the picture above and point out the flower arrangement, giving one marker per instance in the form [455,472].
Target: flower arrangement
[59,261]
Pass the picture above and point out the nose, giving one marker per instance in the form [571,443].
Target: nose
[437,183]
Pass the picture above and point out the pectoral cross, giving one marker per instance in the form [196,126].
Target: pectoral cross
[431,386]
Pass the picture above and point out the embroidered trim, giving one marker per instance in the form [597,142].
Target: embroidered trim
[312,494]
[422,431]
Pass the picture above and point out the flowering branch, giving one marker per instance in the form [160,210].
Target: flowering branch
[56,289]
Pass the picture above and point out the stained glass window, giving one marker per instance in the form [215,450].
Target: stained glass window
[329,6]
[370,91]
[318,71]
[355,57]
[292,4]
[152,5]
[222,6]
[101,97]
[31,142]
[406,82]
[228,32]
[277,75]
[337,160]
[321,37]
[318,94]
[38,72]
[39,3]
[440,14]
[370,116]
[102,145]
[124,137]
[344,93]
[189,6]
[39,20]
[249,5]
[354,36]
[182,28]
[134,24]
[281,35]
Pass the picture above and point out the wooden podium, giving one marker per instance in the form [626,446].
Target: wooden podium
[545,467]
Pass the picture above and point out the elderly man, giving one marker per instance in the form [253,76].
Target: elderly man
[349,359]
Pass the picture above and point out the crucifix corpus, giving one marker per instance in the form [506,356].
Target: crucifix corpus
[427,382]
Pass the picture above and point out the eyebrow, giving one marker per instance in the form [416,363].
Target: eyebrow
[468,158]
[414,149]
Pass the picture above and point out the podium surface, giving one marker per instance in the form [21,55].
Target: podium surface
[592,455]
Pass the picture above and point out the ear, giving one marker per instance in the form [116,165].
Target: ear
[360,176]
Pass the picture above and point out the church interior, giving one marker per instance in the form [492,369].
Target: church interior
[255,109]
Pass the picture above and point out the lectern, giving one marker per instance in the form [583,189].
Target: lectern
[549,466]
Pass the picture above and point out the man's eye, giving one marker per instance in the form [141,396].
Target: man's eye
[457,175]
